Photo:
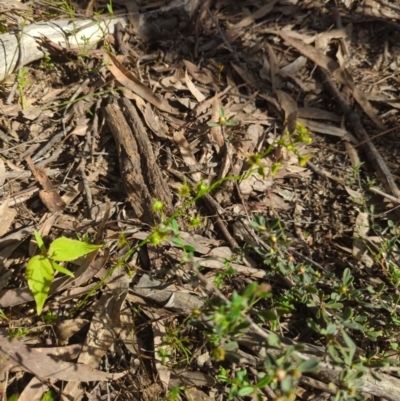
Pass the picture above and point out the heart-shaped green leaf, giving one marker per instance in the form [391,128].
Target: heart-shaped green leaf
[65,249]
[39,275]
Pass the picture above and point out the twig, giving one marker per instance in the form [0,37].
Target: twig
[95,129]
[387,196]
[236,183]
[23,196]
[318,384]
[338,22]
[19,66]
[73,97]
[324,174]
[53,157]
[49,144]
[369,148]
[228,45]
[213,206]
[85,180]
[86,186]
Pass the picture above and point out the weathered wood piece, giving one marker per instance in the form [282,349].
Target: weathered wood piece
[151,172]
[85,34]
[140,173]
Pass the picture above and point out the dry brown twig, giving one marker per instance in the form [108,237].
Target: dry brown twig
[372,153]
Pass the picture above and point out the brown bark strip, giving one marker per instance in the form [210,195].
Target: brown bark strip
[151,172]
[141,176]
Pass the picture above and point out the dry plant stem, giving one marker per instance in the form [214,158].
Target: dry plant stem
[324,174]
[54,157]
[73,97]
[86,186]
[95,129]
[25,173]
[318,385]
[50,144]
[372,153]
[236,183]
[196,35]
[321,397]
[11,95]
[380,134]
[387,196]
[22,196]
[228,45]
[213,206]
[85,181]
[338,22]
[307,259]
[267,389]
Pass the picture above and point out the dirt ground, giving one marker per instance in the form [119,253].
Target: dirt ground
[207,146]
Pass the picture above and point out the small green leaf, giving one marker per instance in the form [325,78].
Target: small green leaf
[350,344]
[274,340]
[232,357]
[311,365]
[40,243]
[231,346]
[245,391]
[177,241]
[175,226]
[347,314]
[334,354]
[232,123]
[189,248]
[49,395]
[347,277]
[354,326]
[265,381]
[331,329]
[287,384]
[334,305]
[269,315]
[61,269]
[39,275]
[65,249]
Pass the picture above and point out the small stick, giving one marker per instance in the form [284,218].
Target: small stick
[19,66]
[372,153]
[387,196]
[228,45]
[73,97]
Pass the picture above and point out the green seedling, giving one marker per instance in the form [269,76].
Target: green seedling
[50,318]
[3,315]
[41,268]
[22,83]
[47,63]
[223,121]
[14,333]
